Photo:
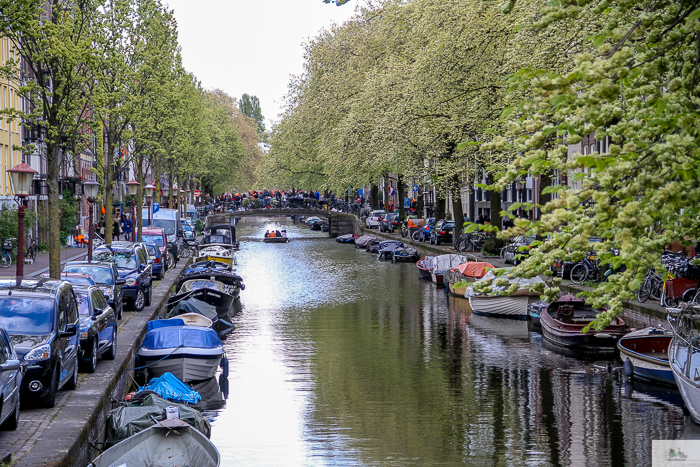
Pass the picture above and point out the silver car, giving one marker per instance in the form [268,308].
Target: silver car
[11,374]
[374,219]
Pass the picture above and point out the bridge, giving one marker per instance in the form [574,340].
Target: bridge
[339,223]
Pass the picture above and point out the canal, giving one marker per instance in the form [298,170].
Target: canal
[340,359]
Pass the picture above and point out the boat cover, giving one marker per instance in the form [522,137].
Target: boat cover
[523,283]
[405,251]
[444,263]
[426,262]
[132,418]
[195,284]
[193,305]
[168,386]
[365,240]
[389,245]
[476,269]
[168,334]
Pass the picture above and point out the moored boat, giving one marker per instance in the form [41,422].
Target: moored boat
[565,318]
[208,291]
[645,354]
[216,253]
[364,240]
[534,310]
[192,306]
[169,443]
[458,278]
[443,263]
[406,254]
[386,248]
[424,266]
[190,353]
[499,305]
[348,238]
[684,356]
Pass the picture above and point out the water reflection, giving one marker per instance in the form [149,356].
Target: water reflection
[340,359]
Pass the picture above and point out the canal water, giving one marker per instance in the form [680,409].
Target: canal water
[341,359]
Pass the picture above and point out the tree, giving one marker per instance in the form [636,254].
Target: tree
[56,42]
[250,106]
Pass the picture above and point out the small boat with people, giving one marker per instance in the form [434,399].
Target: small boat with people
[191,353]
[277,236]
[496,303]
[564,320]
[645,354]
[443,263]
[459,278]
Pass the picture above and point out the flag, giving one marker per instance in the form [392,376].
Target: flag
[391,190]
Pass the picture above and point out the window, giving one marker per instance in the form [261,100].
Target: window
[98,301]
[62,312]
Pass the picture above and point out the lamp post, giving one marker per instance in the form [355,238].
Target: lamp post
[21,176]
[90,187]
[166,191]
[133,187]
[521,182]
[150,188]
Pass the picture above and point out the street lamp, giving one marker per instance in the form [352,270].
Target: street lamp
[166,191]
[21,176]
[133,187]
[520,183]
[90,187]
[150,188]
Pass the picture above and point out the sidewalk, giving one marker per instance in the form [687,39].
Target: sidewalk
[41,263]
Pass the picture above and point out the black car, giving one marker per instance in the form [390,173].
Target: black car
[388,224]
[98,327]
[11,374]
[517,249]
[133,265]
[106,276]
[41,317]
[442,232]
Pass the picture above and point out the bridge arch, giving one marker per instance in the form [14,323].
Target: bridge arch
[339,223]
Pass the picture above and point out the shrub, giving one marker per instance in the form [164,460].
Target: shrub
[492,246]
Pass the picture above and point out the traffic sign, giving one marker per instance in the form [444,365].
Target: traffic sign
[415,188]
[407,202]
[196,193]
[360,192]
[156,207]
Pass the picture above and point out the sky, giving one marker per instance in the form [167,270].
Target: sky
[251,46]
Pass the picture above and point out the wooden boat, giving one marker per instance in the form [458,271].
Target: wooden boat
[645,354]
[169,443]
[534,310]
[684,356]
[495,304]
[443,263]
[190,353]
[458,278]
[424,266]
[565,318]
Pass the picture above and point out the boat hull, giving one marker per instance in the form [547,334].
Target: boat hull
[222,301]
[647,352]
[187,364]
[458,291]
[275,240]
[437,278]
[689,389]
[500,306]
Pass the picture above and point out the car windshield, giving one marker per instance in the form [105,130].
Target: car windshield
[101,275]
[448,225]
[122,260]
[27,315]
[168,225]
[157,239]
[78,280]
[83,305]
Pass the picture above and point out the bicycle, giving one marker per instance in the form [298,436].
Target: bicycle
[32,250]
[473,241]
[7,247]
[588,269]
[651,287]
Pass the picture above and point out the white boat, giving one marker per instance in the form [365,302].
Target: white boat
[684,356]
[503,306]
[443,263]
[195,319]
[191,353]
[216,253]
[170,443]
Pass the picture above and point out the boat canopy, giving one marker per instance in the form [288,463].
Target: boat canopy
[195,284]
[168,386]
[444,263]
[168,334]
[476,269]
[193,305]
[523,284]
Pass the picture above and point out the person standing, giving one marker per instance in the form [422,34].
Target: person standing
[127,228]
[115,230]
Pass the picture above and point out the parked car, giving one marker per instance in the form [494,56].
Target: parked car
[11,375]
[133,265]
[41,317]
[158,236]
[374,218]
[169,219]
[442,232]
[97,329]
[387,223]
[424,233]
[106,276]
[156,260]
[512,252]
[74,278]
[188,232]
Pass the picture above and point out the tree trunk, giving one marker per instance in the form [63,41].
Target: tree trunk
[139,198]
[439,206]
[401,190]
[374,193]
[54,244]
[457,207]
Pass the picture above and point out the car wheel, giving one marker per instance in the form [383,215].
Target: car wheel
[171,260]
[49,400]
[140,299]
[111,353]
[13,422]
[147,297]
[90,364]
[72,383]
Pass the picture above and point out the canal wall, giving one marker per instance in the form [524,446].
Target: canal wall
[78,423]
[636,314]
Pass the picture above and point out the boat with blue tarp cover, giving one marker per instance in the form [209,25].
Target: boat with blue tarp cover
[169,387]
[191,353]
[386,248]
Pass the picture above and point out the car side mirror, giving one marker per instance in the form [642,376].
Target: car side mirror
[121,281]
[71,330]
[10,365]
[180,233]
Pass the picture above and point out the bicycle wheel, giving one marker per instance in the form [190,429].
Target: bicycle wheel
[404,231]
[503,254]
[644,291]
[6,260]
[579,273]
[655,286]
[667,301]
[416,236]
